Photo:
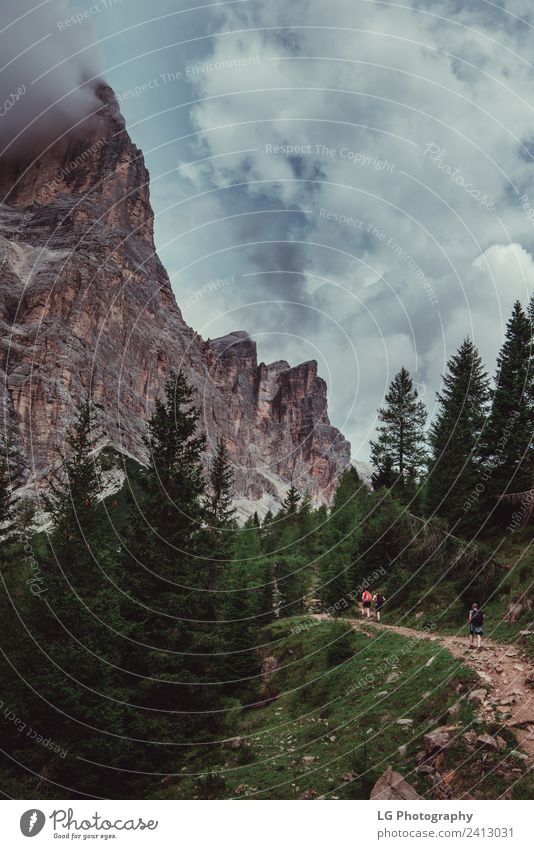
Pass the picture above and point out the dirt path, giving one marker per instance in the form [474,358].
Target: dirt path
[504,674]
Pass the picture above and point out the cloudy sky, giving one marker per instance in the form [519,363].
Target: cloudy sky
[358,173]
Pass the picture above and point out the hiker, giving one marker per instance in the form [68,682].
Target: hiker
[476,622]
[366,603]
[379,599]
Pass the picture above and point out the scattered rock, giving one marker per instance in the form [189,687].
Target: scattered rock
[426,769]
[439,762]
[349,776]
[454,709]
[402,750]
[440,790]
[393,676]
[487,741]
[520,755]
[240,789]
[470,738]
[478,696]
[449,776]
[268,667]
[436,740]
[404,721]
[238,743]
[308,794]
[308,759]
[392,785]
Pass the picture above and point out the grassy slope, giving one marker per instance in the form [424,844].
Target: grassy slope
[312,710]
[445,602]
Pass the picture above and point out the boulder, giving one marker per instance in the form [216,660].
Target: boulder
[391,785]
[269,665]
[487,741]
[477,696]
[237,743]
[437,740]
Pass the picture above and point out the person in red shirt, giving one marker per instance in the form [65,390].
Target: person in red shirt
[367,598]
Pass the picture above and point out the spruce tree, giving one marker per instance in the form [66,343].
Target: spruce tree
[75,617]
[291,502]
[400,445]
[165,568]
[508,433]
[220,519]
[5,489]
[221,513]
[75,489]
[455,463]
[384,475]
[242,603]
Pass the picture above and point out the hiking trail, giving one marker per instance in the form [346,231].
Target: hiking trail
[506,674]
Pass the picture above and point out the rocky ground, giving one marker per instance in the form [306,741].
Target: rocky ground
[503,695]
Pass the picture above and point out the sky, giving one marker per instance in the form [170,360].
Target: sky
[350,181]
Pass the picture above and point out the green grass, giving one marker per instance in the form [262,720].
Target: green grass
[313,706]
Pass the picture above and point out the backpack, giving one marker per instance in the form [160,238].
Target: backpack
[478,618]
[380,599]
[367,596]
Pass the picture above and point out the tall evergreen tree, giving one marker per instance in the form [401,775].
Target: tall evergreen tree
[165,568]
[221,513]
[242,604]
[400,445]
[220,519]
[75,490]
[291,502]
[5,488]
[455,463]
[509,431]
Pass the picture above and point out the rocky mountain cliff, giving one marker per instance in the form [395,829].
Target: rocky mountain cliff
[85,305]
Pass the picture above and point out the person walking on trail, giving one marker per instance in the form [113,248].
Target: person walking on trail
[476,626]
[366,603]
[379,599]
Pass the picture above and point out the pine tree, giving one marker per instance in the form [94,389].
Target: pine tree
[75,490]
[291,502]
[400,446]
[5,489]
[220,520]
[508,433]
[165,569]
[243,602]
[455,437]
[384,474]
[340,566]
[221,513]
[77,618]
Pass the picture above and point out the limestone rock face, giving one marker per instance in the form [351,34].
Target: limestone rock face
[86,306]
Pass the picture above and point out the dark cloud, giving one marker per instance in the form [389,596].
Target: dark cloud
[45,68]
